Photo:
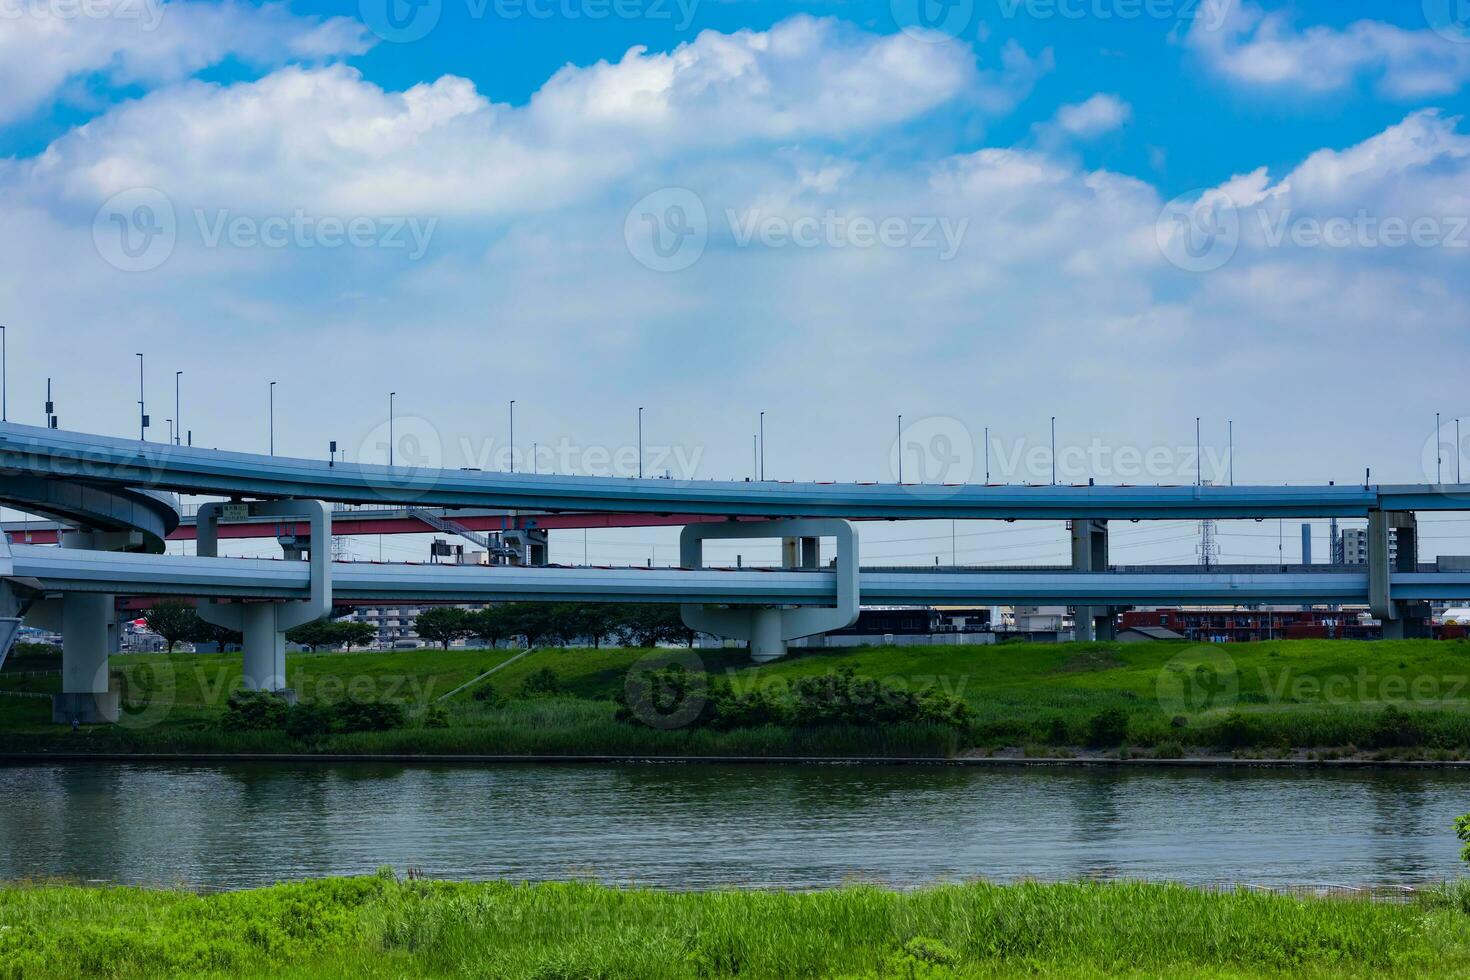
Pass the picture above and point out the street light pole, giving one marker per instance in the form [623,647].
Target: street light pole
[178,419]
[900,449]
[142,413]
[763,448]
[4,414]
[1053,450]
[1198,473]
[987,454]
[391,396]
[512,435]
[1458,452]
[1232,452]
[640,442]
[1438,450]
[273,419]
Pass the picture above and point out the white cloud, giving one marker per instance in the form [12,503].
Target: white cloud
[326,138]
[44,45]
[1100,114]
[1246,44]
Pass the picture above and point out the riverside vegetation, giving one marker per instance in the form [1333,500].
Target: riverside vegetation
[1328,699]
[384,926]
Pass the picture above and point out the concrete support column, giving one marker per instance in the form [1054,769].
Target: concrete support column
[766,641]
[1399,619]
[264,646]
[1090,554]
[87,637]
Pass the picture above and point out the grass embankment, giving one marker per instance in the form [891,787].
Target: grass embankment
[382,927]
[1328,698]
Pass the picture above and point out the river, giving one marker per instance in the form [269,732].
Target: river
[708,826]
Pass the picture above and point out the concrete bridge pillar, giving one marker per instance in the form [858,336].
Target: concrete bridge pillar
[1401,529]
[263,625]
[770,628]
[1090,554]
[88,635]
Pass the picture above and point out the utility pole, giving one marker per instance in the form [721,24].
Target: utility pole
[142,413]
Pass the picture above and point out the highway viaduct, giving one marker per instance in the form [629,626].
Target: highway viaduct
[113,500]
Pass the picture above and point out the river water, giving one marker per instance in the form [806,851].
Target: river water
[699,826]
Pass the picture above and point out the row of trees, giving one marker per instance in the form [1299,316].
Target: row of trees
[178,622]
[538,623]
[556,623]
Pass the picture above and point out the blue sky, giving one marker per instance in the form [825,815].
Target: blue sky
[1110,211]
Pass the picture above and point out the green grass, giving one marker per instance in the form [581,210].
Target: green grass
[1329,697]
[383,927]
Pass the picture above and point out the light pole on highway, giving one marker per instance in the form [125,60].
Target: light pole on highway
[391,396]
[900,449]
[178,419]
[4,415]
[142,413]
[640,442]
[1198,473]
[1053,450]
[273,419]
[512,435]
[762,475]
[1438,450]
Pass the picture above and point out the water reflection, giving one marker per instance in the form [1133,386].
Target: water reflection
[691,826]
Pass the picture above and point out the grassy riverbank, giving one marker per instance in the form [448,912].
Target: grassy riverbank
[383,927]
[1323,699]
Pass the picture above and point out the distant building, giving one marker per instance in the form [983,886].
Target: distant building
[1354,545]
[1147,634]
[395,623]
[1231,625]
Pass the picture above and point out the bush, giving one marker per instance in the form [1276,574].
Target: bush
[1107,729]
[489,695]
[1235,732]
[368,716]
[254,711]
[1058,732]
[542,683]
[309,722]
[436,717]
[1462,829]
[1394,728]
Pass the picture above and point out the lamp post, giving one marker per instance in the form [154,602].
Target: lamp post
[987,454]
[900,449]
[391,396]
[1053,450]
[273,419]
[178,419]
[1232,452]
[1438,451]
[142,413]
[640,442]
[1198,473]
[763,447]
[1458,452]
[4,415]
[512,435]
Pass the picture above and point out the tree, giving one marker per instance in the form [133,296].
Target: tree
[356,633]
[648,626]
[1462,828]
[174,621]
[209,633]
[491,624]
[317,633]
[443,625]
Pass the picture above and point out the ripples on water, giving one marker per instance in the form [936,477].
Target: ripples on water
[696,826]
